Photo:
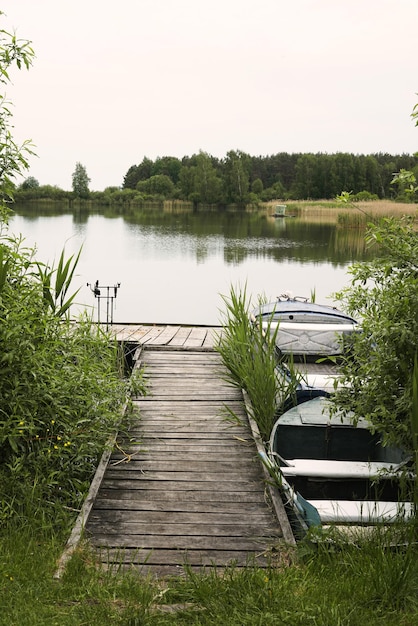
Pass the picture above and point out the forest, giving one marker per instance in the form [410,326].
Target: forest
[241,179]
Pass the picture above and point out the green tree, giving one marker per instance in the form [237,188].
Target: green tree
[305,176]
[383,295]
[80,181]
[236,177]
[186,182]
[169,166]
[143,171]
[13,157]
[158,185]
[273,193]
[131,178]
[29,183]
[257,186]
[207,184]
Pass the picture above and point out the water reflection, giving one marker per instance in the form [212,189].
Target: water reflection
[173,266]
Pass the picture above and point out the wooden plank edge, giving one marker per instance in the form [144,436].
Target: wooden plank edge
[82,518]
[277,502]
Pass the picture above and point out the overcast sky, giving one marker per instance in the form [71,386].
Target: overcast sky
[114,81]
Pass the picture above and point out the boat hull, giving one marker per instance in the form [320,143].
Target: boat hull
[329,461]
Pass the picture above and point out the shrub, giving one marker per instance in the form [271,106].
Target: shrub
[61,390]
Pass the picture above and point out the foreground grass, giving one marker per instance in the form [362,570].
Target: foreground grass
[345,586]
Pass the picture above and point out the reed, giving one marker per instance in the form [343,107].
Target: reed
[250,355]
[250,358]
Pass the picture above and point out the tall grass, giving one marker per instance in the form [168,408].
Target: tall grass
[332,585]
[249,352]
[414,428]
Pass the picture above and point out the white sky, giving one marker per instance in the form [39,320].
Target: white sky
[114,81]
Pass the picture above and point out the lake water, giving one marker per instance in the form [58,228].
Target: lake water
[174,267]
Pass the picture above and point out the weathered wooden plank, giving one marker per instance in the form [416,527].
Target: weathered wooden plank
[176,461]
[202,365]
[147,333]
[193,380]
[141,434]
[148,438]
[206,506]
[165,336]
[180,496]
[153,428]
[179,406]
[183,392]
[163,450]
[184,356]
[204,428]
[183,542]
[174,485]
[198,422]
[192,440]
[197,336]
[175,366]
[184,530]
[180,338]
[130,472]
[199,519]
[188,410]
[213,337]
[190,413]
[129,332]
[131,543]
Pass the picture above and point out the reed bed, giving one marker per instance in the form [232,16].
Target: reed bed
[250,359]
[355,215]
[249,353]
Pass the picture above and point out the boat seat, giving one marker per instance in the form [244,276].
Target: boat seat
[361,512]
[338,469]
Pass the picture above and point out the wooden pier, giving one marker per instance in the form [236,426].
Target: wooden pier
[172,336]
[185,486]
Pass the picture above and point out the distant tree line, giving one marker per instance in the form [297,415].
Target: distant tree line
[241,179]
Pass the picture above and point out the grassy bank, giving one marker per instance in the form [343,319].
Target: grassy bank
[345,586]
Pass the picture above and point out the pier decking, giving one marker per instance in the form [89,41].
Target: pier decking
[184,486]
[172,336]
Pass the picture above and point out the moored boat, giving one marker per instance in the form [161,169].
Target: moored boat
[304,328]
[289,308]
[280,210]
[310,339]
[335,472]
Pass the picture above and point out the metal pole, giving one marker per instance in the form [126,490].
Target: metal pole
[96,289]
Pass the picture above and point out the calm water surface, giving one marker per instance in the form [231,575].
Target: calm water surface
[175,267]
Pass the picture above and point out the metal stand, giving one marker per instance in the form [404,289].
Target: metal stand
[110,295]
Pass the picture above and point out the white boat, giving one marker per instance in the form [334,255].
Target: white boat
[280,210]
[310,339]
[335,472]
[304,328]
